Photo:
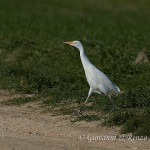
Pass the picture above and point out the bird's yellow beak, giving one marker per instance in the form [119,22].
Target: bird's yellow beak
[70,42]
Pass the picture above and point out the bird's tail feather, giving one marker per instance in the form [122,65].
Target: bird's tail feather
[117,89]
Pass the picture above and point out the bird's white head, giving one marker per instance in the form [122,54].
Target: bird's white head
[76,44]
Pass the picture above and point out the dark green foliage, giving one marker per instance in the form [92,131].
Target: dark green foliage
[19,101]
[136,121]
[33,58]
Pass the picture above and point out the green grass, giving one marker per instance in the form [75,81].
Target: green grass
[19,101]
[33,58]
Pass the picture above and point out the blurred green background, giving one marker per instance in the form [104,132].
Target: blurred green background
[34,60]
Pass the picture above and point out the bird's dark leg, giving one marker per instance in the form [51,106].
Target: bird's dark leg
[82,106]
[111,101]
[114,107]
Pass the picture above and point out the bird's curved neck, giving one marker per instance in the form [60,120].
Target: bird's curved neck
[84,59]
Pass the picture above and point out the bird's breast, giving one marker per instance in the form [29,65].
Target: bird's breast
[90,79]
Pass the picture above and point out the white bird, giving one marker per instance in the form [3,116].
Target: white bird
[97,80]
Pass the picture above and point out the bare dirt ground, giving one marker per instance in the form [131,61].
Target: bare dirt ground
[28,128]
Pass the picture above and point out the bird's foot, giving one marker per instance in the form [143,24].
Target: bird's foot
[114,108]
[117,108]
[77,113]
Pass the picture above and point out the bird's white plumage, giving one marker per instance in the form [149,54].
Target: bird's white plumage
[97,80]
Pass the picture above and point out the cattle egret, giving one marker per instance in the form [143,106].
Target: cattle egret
[97,80]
